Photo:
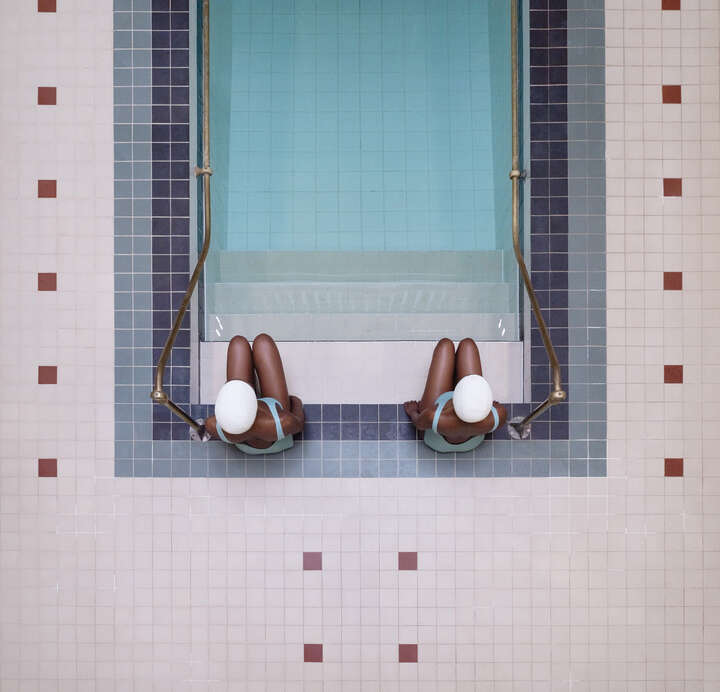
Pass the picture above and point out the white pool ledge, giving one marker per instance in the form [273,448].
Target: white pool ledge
[360,372]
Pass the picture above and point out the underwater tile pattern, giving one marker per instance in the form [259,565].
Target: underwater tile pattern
[566,190]
[361,126]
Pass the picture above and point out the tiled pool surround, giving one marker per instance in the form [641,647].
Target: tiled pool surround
[566,190]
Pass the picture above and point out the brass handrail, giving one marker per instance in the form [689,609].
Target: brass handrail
[557,394]
[158,394]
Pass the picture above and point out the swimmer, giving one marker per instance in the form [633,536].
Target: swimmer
[456,410]
[263,424]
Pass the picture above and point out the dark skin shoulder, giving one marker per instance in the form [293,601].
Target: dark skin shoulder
[449,425]
[262,433]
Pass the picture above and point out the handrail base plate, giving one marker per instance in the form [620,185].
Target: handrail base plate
[517,430]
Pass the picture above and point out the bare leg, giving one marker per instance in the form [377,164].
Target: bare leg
[440,375]
[467,360]
[240,361]
[269,367]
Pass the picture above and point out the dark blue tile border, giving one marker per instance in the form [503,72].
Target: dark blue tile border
[548,93]
[171,200]
[343,422]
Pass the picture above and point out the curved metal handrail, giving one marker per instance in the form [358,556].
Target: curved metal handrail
[557,393]
[158,394]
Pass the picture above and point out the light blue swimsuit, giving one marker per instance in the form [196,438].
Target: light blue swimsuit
[436,441]
[283,442]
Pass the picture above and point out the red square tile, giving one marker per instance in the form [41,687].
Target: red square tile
[673,374]
[47,6]
[672,187]
[407,561]
[673,467]
[47,282]
[312,561]
[408,653]
[313,653]
[671,4]
[672,93]
[47,374]
[672,281]
[47,96]
[47,188]
[47,468]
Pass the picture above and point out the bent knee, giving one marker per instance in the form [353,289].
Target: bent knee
[445,344]
[263,340]
[238,340]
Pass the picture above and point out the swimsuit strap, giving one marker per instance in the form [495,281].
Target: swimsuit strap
[496,417]
[440,404]
[273,405]
[444,398]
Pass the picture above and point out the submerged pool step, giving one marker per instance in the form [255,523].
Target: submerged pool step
[365,326]
[485,266]
[318,296]
[367,297]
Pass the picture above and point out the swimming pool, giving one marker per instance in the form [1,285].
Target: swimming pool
[360,155]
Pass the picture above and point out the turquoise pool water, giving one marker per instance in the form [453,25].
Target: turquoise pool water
[342,129]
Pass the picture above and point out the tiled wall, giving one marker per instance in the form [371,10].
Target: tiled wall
[569,440]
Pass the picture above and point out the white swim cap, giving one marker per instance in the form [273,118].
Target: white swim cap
[472,398]
[236,407]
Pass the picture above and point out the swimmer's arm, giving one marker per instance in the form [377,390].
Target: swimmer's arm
[421,419]
[487,423]
[296,409]
[211,427]
[293,419]
[502,413]
[262,429]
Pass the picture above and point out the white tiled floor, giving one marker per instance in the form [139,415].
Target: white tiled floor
[542,585]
